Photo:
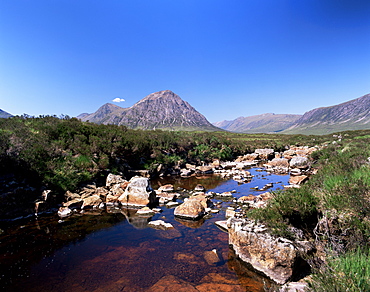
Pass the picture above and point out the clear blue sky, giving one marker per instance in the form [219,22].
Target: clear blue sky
[227,58]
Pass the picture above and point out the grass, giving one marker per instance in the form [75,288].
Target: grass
[350,272]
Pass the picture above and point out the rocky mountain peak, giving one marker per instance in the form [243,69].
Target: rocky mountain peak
[159,110]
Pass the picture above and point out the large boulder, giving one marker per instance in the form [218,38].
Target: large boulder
[113,179]
[265,154]
[138,193]
[276,257]
[299,162]
[279,162]
[193,208]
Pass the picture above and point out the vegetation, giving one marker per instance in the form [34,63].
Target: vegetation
[61,153]
[333,209]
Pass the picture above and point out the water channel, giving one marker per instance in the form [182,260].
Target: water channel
[117,251]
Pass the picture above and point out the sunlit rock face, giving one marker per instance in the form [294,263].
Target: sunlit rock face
[138,193]
[275,257]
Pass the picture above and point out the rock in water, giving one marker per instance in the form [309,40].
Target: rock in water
[138,193]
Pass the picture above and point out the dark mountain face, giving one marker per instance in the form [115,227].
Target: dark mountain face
[265,123]
[4,114]
[159,110]
[350,115]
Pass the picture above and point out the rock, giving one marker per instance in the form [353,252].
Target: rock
[74,204]
[172,204]
[166,188]
[146,211]
[190,166]
[92,201]
[275,257]
[206,169]
[190,209]
[265,154]
[247,199]
[114,179]
[222,225]
[64,212]
[170,283]
[111,199]
[160,224]
[230,212]
[248,157]
[199,188]
[294,287]
[299,162]
[138,193]
[69,196]
[297,180]
[186,172]
[46,195]
[166,196]
[279,162]
[212,257]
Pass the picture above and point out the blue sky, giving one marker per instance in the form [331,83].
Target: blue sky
[227,58]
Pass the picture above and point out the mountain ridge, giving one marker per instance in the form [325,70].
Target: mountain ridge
[159,110]
[4,114]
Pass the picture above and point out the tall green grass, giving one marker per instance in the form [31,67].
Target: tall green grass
[348,273]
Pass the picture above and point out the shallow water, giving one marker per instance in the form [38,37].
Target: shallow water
[116,251]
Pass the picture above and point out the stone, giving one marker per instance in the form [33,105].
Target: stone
[190,209]
[279,162]
[166,188]
[299,162]
[172,204]
[64,212]
[74,204]
[166,196]
[170,283]
[222,225]
[265,154]
[298,179]
[199,188]
[146,211]
[206,169]
[138,193]
[186,172]
[91,201]
[160,224]
[113,179]
[276,257]
[111,199]
[211,257]
[69,196]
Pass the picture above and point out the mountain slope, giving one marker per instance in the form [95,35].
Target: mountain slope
[159,110]
[265,123]
[350,115]
[4,114]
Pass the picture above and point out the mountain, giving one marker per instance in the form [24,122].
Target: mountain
[265,123]
[159,110]
[350,115]
[4,114]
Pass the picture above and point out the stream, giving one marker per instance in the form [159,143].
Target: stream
[115,250]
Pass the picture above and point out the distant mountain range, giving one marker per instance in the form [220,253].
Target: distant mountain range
[4,114]
[350,115]
[159,110]
[265,123]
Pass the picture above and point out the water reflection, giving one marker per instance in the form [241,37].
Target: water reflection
[114,249]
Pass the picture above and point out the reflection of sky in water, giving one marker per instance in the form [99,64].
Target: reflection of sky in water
[260,179]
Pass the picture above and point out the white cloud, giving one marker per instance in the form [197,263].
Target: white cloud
[118,99]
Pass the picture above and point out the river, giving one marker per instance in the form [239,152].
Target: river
[117,251]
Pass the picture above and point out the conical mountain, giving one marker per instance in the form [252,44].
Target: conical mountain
[159,110]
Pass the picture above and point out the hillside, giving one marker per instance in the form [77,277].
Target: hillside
[159,110]
[265,123]
[4,114]
[350,115]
